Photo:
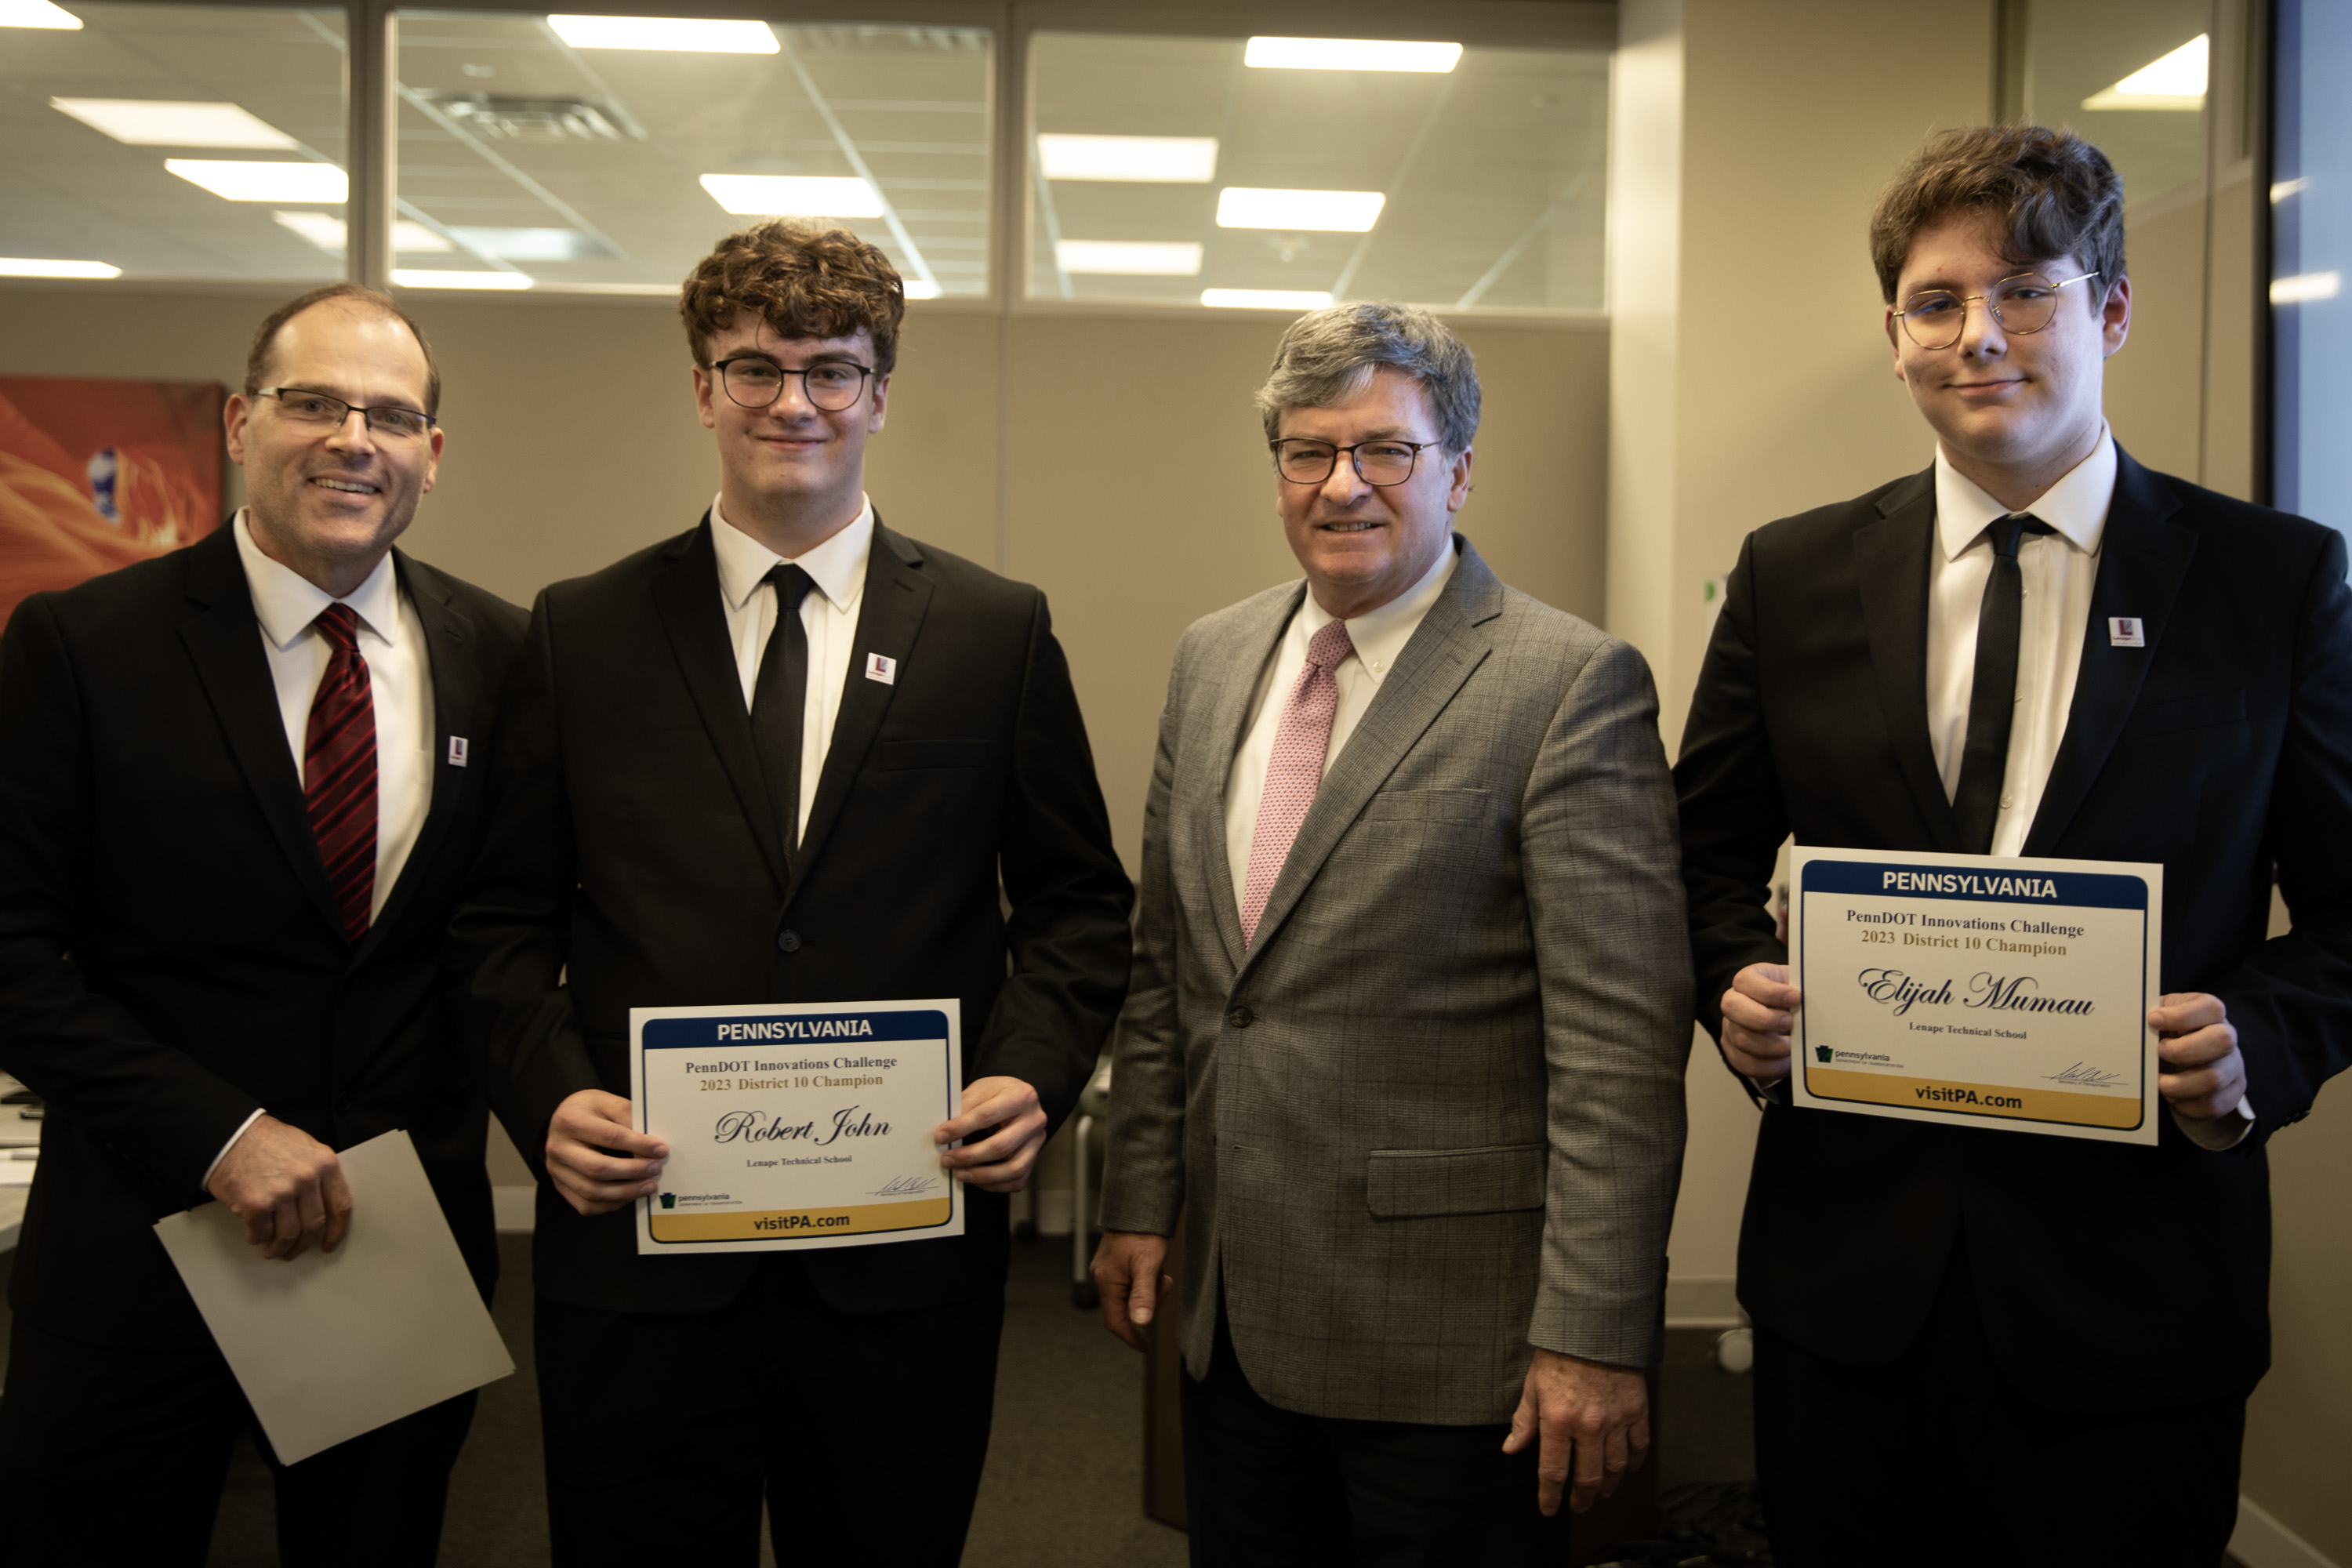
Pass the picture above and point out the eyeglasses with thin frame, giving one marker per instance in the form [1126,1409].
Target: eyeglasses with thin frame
[1305,462]
[316,410]
[1936,318]
[830,384]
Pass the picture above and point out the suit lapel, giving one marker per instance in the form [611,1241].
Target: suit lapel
[1890,560]
[1440,656]
[1199,789]
[2143,560]
[223,642]
[890,619]
[457,702]
[687,599]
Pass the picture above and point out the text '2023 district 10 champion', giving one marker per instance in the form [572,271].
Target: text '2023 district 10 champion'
[798,1124]
[1962,988]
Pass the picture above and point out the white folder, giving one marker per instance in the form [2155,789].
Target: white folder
[334,1345]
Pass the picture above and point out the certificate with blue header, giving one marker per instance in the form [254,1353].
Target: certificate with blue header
[1977,991]
[797,1125]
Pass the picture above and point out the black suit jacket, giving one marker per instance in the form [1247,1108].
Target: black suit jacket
[170,958]
[2110,1276]
[634,863]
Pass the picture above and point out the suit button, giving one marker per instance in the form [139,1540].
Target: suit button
[788,942]
[1241,1018]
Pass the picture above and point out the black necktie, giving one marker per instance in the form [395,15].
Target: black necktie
[1993,700]
[778,698]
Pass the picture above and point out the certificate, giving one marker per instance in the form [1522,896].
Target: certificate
[797,1125]
[1965,989]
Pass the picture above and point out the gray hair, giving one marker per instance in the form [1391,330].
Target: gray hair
[1330,356]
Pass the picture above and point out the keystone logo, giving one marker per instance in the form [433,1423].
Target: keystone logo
[669,1200]
[1820,1053]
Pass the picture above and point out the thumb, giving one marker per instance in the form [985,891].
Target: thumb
[1142,1296]
[1523,1423]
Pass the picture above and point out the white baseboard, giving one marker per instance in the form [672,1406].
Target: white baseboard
[2262,1542]
[1702,1301]
[514,1208]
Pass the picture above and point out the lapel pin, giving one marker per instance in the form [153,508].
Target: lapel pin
[2125,631]
[881,667]
[457,751]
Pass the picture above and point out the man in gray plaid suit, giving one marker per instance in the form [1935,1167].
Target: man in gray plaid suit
[1405,1040]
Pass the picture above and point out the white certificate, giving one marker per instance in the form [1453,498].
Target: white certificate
[1965,989]
[797,1124]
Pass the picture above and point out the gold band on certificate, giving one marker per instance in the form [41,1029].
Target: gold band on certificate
[1963,989]
[799,1125]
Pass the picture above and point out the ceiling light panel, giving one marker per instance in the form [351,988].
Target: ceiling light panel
[1350,55]
[1143,160]
[330,233]
[1130,258]
[409,278]
[1345,211]
[804,195]
[246,182]
[2175,82]
[39,13]
[683,35]
[40,267]
[1265,299]
[161,123]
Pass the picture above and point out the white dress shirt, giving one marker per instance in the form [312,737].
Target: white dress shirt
[400,681]
[1378,636]
[828,614]
[2058,571]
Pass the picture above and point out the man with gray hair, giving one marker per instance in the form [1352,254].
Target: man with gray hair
[1404,1041]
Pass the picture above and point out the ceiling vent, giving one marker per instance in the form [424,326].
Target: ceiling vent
[496,117]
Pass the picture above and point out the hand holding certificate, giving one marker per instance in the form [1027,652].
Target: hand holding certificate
[2008,993]
[797,1125]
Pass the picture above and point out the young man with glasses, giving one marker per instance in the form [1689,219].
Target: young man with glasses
[788,756]
[239,787]
[1973,1345]
[1406,1043]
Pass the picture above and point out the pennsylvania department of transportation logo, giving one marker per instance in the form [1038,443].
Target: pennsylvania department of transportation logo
[1820,1053]
[669,1200]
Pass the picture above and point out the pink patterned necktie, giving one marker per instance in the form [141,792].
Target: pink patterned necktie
[1295,770]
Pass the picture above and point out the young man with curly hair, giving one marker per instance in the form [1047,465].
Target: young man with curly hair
[788,756]
[1979,1346]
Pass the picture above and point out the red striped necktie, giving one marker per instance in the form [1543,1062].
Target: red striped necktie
[339,770]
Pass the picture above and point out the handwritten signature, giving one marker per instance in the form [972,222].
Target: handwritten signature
[906,1187]
[2086,1076]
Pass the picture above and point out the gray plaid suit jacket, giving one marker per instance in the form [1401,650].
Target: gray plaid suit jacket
[1434,1115]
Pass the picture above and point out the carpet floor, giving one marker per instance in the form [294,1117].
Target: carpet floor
[1064,1478]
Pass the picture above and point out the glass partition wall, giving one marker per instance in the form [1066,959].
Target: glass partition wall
[592,153]
[204,143]
[604,153]
[1289,171]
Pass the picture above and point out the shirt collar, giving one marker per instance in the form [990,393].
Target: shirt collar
[2076,506]
[837,566]
[1379,635]
[286,603]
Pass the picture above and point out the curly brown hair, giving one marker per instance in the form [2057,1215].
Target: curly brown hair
[804,280]
[2050,193]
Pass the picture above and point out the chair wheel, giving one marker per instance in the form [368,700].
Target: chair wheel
[1085,1296]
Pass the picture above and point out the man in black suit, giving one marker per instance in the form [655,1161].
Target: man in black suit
[1979,1346]
[239,788]
[790,755]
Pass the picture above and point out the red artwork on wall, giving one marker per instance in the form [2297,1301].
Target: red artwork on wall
[95,475]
